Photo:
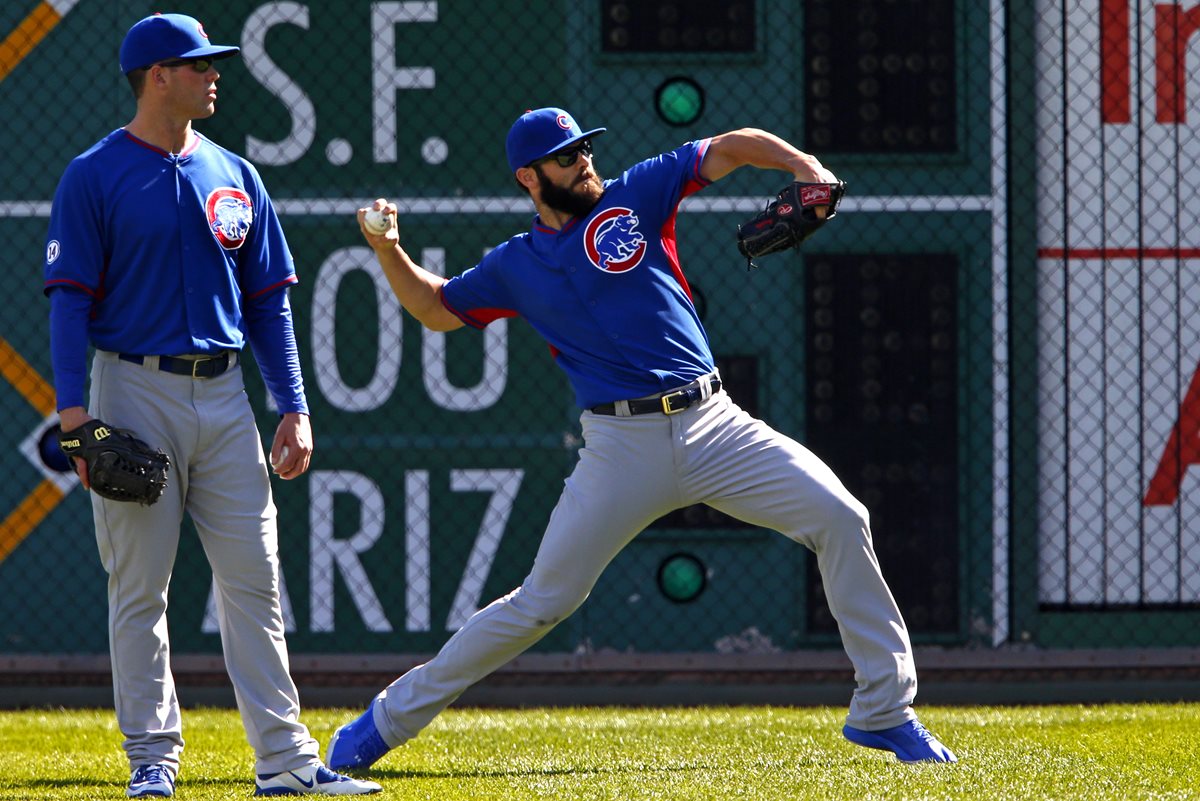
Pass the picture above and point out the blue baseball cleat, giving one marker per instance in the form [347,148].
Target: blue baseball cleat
[357,745]
[910,742]
[151,781]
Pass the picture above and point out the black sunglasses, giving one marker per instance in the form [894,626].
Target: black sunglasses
[566,158]
[197,64]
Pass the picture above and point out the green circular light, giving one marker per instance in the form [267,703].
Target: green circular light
[679,101]
[681,577]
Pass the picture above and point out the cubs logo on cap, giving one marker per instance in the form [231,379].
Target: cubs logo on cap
[538,133]
[162,37]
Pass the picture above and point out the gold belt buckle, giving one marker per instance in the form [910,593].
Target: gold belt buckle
[197,362]
[666,403]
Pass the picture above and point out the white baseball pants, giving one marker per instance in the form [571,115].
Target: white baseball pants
[218,476]
[633,470]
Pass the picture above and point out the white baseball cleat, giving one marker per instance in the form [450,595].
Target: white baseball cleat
[312,780]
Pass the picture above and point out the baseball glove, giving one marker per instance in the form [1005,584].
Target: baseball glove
[120,466]
[789,219]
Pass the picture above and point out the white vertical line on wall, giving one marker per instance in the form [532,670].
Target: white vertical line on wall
[1001,408]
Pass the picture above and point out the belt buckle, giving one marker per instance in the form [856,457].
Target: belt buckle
[197,362]
[666,402]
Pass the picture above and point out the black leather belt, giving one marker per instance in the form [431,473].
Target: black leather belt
[667,403]
[203,367]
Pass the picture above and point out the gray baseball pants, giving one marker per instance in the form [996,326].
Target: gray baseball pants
[219,477]
[633,470]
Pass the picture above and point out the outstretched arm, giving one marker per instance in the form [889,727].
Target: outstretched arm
[418,290]
[757,148]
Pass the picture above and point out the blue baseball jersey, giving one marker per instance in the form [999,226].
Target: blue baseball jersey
[607,291]
[168,247]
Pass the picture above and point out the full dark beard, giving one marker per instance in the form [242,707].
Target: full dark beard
[575,201]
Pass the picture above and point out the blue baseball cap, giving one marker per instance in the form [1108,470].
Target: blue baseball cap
[538,133]
[162,37]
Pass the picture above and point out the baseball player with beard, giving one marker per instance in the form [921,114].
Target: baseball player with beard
[165,253]
[599,277]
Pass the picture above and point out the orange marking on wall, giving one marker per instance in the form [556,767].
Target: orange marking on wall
[46,495]
[27,516]
[35,390]
[26,36]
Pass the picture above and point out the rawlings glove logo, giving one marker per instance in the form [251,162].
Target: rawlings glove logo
[813,195]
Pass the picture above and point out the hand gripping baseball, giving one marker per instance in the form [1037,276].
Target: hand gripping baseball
[378,218]
[120,466]
[793,216]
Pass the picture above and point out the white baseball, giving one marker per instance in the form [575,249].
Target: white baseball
[376,221]
[282,457]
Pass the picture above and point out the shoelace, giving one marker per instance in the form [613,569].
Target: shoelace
[922,733]
[151,773]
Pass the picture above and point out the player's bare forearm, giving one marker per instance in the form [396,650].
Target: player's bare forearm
[418,290]
[73,417]
[757,148]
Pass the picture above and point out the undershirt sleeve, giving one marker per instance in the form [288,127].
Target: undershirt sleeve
[69,311]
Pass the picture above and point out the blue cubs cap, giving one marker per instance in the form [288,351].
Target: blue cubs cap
[536,134]
[167,36]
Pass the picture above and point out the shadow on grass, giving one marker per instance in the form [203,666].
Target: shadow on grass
[62,783]
[396,773]
[118,787]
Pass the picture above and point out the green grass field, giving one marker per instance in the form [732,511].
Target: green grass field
[1072,753]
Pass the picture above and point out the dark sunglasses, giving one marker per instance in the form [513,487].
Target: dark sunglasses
[197,64]
[566,158]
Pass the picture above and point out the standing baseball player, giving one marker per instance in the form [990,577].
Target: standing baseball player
[165,253]
[599,277]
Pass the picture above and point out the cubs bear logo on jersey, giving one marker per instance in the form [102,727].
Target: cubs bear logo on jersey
[230,214]
[613,242]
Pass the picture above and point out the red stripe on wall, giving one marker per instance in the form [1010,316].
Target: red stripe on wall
[1077,254]
[1114,61]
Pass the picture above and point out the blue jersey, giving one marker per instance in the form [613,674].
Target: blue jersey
[168,247]
[606,291]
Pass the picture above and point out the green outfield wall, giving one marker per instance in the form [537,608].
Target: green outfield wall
[983,345]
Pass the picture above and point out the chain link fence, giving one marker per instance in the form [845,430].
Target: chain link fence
[994,345]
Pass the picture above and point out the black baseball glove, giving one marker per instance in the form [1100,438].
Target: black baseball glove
[120,466]
[789,219]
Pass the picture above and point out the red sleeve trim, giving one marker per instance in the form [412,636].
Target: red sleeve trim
[290,280]
[696,181]
[478,318]
[57,282]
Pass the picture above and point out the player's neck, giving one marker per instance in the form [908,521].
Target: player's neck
[162,132]
[551,217]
